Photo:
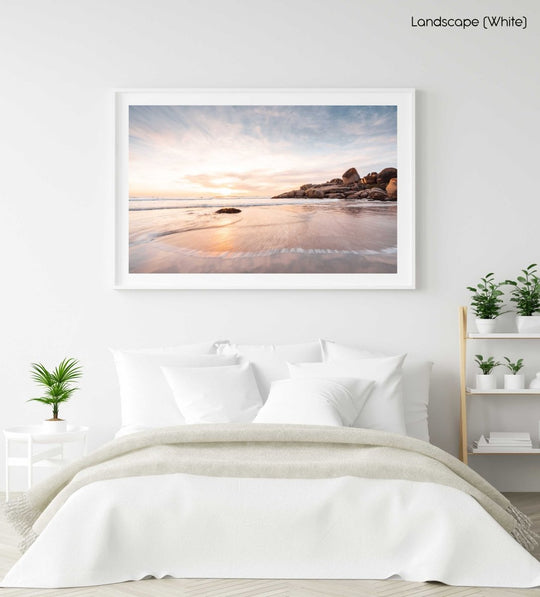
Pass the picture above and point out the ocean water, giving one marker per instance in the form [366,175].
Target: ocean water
[267,236]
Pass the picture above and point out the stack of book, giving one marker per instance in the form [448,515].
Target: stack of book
[504,441]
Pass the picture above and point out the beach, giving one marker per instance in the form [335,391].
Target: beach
[267,236]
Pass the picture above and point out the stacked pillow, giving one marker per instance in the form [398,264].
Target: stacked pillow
[270,360]
[383,409]
[416,377]
[315,401]
[146,399]
[320,383]
[227,394]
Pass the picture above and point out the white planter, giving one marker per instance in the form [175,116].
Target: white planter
[528,324]
[514,382]
[486,382]
[486,326]
[51,426]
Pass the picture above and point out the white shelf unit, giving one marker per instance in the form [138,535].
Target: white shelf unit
[508,451]
[501,336]
[465,392]
[501,392]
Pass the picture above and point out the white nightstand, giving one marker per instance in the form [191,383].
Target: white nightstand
[33,435]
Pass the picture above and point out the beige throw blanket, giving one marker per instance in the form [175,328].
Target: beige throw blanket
[277,451]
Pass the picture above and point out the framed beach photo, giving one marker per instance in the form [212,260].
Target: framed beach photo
[265,188]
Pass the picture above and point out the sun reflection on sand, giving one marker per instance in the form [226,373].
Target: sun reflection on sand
[222,239]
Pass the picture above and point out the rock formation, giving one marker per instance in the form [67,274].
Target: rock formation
[350,177]
[381,186]
[370,178]
[391,188]
[385,175]
[228,210]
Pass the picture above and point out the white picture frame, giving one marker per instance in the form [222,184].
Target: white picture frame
[403,99]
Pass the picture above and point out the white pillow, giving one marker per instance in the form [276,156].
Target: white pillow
[215,395]
[146,399]
[384,407]
[209,347]
[416,381]
[269,361]
[315,401]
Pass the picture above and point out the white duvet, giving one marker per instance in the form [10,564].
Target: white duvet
[185,526]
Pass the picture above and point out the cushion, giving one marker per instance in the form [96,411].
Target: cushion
[269,361]
[215,395]
[315,401]
[383,409]
[145,396]
[209,347]
[416,381]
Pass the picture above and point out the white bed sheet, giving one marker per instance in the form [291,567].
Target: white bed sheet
[196,526]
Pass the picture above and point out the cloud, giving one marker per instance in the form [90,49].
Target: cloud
[203,150]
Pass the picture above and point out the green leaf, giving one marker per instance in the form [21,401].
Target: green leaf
[68,370]
[43,400]
[40,374]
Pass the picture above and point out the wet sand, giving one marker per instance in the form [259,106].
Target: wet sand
[331,237]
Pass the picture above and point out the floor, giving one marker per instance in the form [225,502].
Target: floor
[528,502]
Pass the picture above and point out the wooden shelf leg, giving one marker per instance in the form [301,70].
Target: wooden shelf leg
[463,384]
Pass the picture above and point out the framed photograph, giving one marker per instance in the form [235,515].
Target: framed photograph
[265,188]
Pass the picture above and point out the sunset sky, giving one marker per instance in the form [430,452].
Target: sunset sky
[257,151]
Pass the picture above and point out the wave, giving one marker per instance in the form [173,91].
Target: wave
[229,198]
[240,204]
[285,251]
[149,237]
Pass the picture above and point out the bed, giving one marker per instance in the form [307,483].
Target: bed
[299,461]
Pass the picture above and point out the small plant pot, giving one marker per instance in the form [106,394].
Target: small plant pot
[514,382]
[486,326]
[54,426]
[528,324]
[486,382]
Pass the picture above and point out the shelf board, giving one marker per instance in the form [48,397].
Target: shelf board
[474,451]
[503,336]
[502,392]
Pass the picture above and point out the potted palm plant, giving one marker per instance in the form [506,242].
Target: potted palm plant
[514,380]
[525,295]
[486,303]
[486,380]
[58,388]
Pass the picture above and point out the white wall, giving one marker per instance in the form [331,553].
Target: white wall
[477,196]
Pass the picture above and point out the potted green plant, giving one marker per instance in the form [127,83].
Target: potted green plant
[486,380]
[486,303]
[514,380]
[58,387]
[525,295]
